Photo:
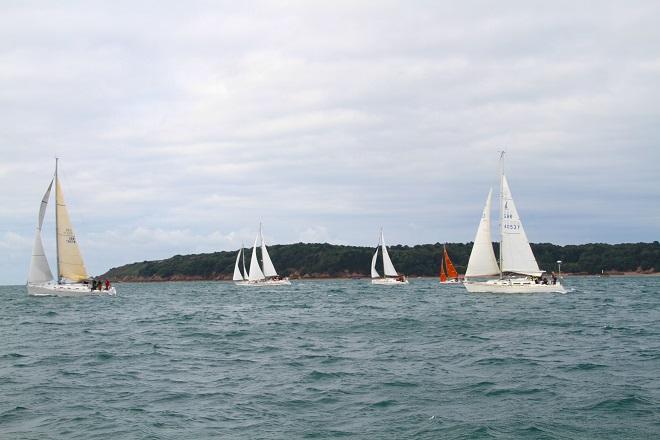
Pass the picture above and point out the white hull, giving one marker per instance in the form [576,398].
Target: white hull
[77,289]
[282,282]
[512,285]
[455,282]
[388,281]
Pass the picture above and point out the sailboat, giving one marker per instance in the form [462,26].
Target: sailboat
[517,271]
[262,277]
[451,275]
[240,278]
[391,277]
[72,278]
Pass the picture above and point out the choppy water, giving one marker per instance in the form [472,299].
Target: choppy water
[332,359]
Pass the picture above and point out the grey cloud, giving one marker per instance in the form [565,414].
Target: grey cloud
[326,119]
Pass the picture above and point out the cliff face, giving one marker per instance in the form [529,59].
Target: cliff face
[314,260]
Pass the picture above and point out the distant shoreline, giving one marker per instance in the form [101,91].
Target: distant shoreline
[365,278]
[327,261]
[178,280]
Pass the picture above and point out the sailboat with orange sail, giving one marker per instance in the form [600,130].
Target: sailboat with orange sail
[450,276]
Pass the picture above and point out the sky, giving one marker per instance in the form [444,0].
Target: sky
[181,125]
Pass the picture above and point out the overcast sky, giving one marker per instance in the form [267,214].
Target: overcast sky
[181,125]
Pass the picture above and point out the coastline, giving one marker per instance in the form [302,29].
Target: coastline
[363,278]
[355,278]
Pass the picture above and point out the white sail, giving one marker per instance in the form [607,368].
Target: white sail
[482,260]
[517,255]
[374,272]
[39,267]
[388,267]
[69,260]
[269,269]
[255,271]
[238,276]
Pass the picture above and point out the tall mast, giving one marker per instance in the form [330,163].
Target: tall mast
[261,238]
[57,208]
[245,273]
[501,205]
[381,243]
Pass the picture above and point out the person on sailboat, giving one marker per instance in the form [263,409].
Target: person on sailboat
[554,278]
[107,284]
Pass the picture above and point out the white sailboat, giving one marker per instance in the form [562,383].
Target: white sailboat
[257,276]
[518,271]
[391,277]
[71,272]
[240,278]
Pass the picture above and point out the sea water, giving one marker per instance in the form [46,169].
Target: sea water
[330,359]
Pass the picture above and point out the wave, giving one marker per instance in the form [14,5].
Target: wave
[504,361]
[583,366]
[401,384]
[104,356]
[516,391]
[628,403]
[383,403]
[320,375]
[12,356]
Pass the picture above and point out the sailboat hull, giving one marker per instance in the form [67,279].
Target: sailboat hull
[512,285]
[452,281]
[388,281]
[76,289]
[282,282]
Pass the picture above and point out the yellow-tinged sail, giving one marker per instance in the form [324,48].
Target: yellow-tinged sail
[70,262]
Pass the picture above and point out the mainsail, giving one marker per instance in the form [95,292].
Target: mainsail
[69,261]
[451,270]
[388,267]
[443,275]
[255,271]
[269,269]
[39,268]
[482,260]
[516,254]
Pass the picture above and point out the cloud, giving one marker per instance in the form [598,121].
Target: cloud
[12,241]
[178,124]
[317,234]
